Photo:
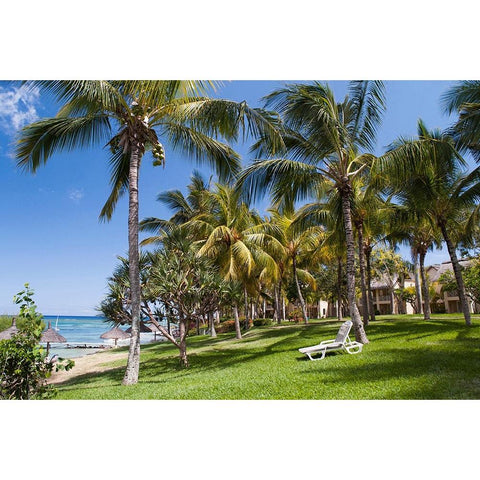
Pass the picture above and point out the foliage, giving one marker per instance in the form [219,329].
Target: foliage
[471,277]
[226,326]
[262,322]
[409,295]
[23,365]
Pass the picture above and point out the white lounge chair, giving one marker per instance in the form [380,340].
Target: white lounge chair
[341,342]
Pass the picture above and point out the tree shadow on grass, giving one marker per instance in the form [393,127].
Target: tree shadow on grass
[417,374]
[443,372]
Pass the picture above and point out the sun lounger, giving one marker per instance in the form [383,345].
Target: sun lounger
[341,342]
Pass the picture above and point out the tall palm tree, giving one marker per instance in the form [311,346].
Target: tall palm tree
[131,117]
[430,172]
[324,140]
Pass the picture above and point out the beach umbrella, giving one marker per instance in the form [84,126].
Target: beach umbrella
[115,333]
[51,336]
[143,328]
[7,334]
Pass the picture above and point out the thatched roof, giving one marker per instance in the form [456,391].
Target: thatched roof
[153,328]
[7,333]
[115,333]
[51,336]
[143,328]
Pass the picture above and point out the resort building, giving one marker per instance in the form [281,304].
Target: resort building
[385,301]
[448,302]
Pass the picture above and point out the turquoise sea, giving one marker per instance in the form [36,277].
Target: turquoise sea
[80,331]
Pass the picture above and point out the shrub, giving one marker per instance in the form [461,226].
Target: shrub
[260,322]
[24,370]
[226,326]
[23,364]
[295,315]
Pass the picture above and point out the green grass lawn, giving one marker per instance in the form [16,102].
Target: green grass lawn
[406,359]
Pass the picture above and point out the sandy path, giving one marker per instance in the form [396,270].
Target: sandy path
[92,363]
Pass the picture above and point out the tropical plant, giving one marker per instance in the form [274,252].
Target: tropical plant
[392,270]
[23,364]
[131,117]
[429,171]
[298,244]
[189,287]
[184,208]
[324,140]
[231,234]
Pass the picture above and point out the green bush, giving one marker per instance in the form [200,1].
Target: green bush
[24,369]
[261,322]
[23,364]
[226,326]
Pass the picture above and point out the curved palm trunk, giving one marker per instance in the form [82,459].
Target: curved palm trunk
[360,334]
[238,332]
[418,284]
[426,294]
[371,306]
[133,362]
[363,286]
[339,290]
[458,274]
[299,291]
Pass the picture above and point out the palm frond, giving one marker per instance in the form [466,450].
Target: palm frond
[367,98]
[40,140]
[119,180]
[204,149]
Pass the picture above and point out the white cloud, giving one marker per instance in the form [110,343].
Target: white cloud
[18,107]
[75,195]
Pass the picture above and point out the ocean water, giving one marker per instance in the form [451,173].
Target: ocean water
[83,331]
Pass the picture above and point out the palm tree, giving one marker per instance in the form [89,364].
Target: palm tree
[185,208]
[464,99]
[298,245]
[430,172]
[422,238]
[324,140]
[231,234]
[131,117]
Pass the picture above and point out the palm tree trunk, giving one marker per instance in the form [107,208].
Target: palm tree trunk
[418,285]
[277,304]
[245,296]
[339,289]
[238,332]
[133,362]
[360,334]
[363,286]
[371,307]
[426,294]
[458,273]
[299,291]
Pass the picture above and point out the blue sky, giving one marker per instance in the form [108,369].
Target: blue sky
[51,236]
